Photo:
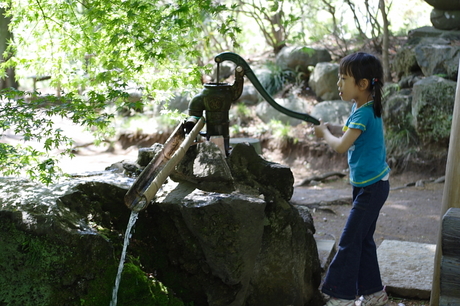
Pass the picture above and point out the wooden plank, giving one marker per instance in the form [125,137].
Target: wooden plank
[449,301]
[450,276]
[451,233]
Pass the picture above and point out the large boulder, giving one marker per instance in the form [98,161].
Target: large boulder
[444,4]
[432,106]
[415,35]
[436,59]
[445,20]
[251,248]
[428,56]
[249,96]
[323,81]
[445,14]
[267,112]
[244,245]
[405,62]
[397,111]
[177,102]
[58,247]
[335,112]
[301,59]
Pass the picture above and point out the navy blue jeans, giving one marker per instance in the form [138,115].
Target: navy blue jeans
[354,271]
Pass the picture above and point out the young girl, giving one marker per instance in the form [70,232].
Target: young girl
[354,270]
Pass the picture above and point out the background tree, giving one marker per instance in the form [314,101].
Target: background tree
[385,42]
[96,50]
[278,21]
[7,76]
[103,46]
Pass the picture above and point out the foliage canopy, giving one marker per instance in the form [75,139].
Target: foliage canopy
[94,50]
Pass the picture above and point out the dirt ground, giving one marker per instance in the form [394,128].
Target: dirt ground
[410,213]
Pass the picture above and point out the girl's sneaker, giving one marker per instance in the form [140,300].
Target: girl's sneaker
[340,302]
[379,298]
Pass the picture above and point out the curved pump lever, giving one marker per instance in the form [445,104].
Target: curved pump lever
[239,61]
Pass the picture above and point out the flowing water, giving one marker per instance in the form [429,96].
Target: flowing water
[132,221]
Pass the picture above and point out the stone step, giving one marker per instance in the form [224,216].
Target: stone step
[326,251]
[407,268]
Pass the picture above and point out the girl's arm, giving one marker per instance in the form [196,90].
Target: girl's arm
[338,144]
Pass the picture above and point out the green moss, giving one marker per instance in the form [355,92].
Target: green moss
[48,270]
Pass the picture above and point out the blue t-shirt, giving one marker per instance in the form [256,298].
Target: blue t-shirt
[367,155]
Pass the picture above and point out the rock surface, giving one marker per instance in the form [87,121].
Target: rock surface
[301,58]
[323,81]
[432,106]
[247,246]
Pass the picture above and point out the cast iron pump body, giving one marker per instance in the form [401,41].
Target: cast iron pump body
[216,99]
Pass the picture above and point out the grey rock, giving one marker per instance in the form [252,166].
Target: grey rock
[335,112]
[323,81]
[301,58]
[209,247]
[267,112]
[438,60]
[249,96]
[205,166]
[408,81]
[445,19]
[444,4]
[405,62]
[249,168]
[415,35]
[145,155]
[397,110]
[178,102]
[432,106]
[226,70]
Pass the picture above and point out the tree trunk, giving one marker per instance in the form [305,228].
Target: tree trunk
[5,35]
[385,46]
[451,194]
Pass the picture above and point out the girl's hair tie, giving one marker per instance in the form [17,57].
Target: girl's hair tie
[374,80]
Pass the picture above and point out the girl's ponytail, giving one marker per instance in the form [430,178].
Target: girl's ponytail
[376,87]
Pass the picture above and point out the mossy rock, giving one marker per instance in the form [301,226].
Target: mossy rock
[432,106]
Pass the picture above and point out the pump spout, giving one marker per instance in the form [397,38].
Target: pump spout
[144,189]
[240,62]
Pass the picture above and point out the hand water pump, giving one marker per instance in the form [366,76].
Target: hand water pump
[215,100]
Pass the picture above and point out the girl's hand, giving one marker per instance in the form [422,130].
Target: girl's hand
[320,129]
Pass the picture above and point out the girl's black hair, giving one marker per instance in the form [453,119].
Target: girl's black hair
[362,65]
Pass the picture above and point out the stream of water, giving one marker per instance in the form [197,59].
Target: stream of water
[131,222]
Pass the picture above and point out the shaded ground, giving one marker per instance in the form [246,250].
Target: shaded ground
[409,214]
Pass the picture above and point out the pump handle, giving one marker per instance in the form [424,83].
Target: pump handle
[239,61]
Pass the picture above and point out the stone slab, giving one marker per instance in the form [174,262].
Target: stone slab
[326,251]
[407,268]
